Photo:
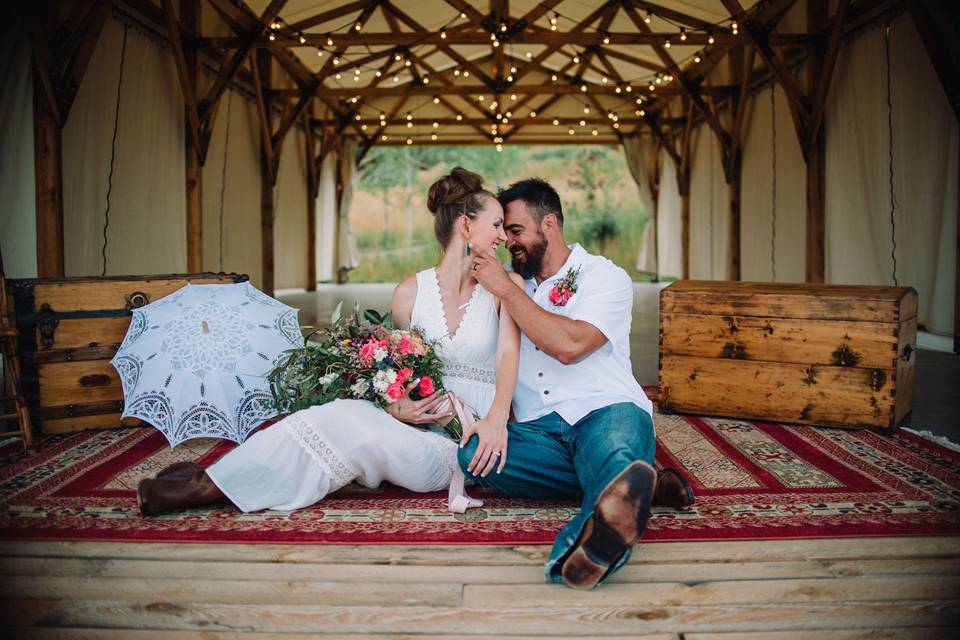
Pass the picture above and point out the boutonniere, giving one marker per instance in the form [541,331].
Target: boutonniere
[565,288]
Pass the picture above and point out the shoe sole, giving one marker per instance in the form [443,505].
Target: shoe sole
[180,471]
[618,522]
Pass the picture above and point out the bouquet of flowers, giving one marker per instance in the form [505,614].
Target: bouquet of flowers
[362,357]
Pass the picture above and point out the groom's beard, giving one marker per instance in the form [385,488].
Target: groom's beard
[528,260]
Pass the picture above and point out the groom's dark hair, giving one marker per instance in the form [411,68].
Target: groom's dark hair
[541,198]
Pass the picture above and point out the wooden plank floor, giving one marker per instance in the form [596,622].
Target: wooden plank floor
[838,589]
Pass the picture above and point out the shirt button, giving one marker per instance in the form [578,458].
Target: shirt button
[536,348]
[540,375]
[546,392]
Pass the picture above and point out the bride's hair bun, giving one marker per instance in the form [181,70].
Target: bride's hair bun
[452,196]
[453,189]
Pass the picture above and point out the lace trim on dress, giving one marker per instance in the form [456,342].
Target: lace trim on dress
[465,371]
[321,451]
[445,449]
[464,319]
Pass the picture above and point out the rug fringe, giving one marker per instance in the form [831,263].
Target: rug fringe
[941,440]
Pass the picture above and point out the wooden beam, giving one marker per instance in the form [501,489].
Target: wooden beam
[674,15]
[187,81]
[326,16]
[76,65]
[247,41]
[263,113]
[686,85]
[263,64]
[817,12]
[48,173]
[572,86]
[956,278]
[190,12]
[826,70]
[45,74]
[939,29]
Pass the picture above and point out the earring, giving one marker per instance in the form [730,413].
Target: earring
[468,247]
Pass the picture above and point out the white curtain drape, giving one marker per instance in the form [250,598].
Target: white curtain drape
[709,208]
[640,154]
[147,222]
[349,258]
[290,214]
[231,197]
[758,226]
[859,232]
[669,221]
[18,219]
[327,218]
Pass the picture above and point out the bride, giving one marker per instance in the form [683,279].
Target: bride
[313,452]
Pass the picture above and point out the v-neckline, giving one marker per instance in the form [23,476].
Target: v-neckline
[443,311]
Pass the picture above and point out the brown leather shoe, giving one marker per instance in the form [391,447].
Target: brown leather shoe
[157,496]
[673,489]
[179,471]
[618,521]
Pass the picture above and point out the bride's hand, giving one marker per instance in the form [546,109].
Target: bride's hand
[492,447]
[417,411]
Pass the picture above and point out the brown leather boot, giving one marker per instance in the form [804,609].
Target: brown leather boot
[673,489]
[179,471]
[157,496]
[618,521]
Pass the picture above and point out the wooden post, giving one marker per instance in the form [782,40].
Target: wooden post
[683,185]
[48,168]
[956,280]
[190,18]
[733,230]
[264,64]
[312,188]
[817,13]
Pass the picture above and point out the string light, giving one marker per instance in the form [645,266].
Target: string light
[406,62]
[667,45]
[358,26]
[338,76]
[734,27]
[443,34]
[459,117]
[586,110]
[435,124]
[571,131]
[683,34]
[513,96]
[496,43]
[513,69]
[503,27]
[396,78]
[336,60]
[606,39]
[583,123]
[628,89]
[409,125]
[594,132]
[329,41]
[272,37]
[425,80]
[479,98]
[533,114]
[696,57]
[358,117]
[436,99]
[710,39]
[616,125]
[499,148]
[409,116]
[379,73]
[556,122]
[433,136]
[462,15]
[466,74]
[409,141]
[576,59]
[604,80]
[397,57]
[319,52]
[553,77]
[506,120]
[647,18]
[529,55]
[618,89]
[363,127]
[383,137]
[583,88]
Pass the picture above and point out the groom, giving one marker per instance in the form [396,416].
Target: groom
[584,426]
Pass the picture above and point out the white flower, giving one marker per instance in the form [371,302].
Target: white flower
[330,377]
[381,381]
[379,354]
[360,388]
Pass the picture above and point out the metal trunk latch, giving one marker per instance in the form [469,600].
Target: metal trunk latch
[47,324]
[136,300]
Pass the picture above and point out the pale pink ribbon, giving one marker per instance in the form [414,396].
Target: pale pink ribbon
[457,499]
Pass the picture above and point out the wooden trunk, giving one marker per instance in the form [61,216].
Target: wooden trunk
[831,355]
[70,329]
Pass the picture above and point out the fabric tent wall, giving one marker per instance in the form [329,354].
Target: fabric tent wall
[709,209]
[639,154]
[237,213]
[327,218]
[925,143]
[18,217]
[756,194]
[669,220]
[146,232]
[290,214]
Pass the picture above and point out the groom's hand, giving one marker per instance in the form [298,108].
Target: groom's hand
[490,273]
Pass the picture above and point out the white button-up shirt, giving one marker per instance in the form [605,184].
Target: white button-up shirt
[604,298]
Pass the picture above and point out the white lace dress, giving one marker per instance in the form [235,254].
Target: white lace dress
[316,451]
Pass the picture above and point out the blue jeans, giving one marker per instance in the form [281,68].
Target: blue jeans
[550,458]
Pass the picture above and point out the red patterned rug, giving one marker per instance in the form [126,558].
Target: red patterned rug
[753,481]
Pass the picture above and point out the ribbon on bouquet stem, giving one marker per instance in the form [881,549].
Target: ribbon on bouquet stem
[457,499]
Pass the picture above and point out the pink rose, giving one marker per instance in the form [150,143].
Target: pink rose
[404,374]
[426,386]
[406,346]
[366,351]
[395,390]
[555,295]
